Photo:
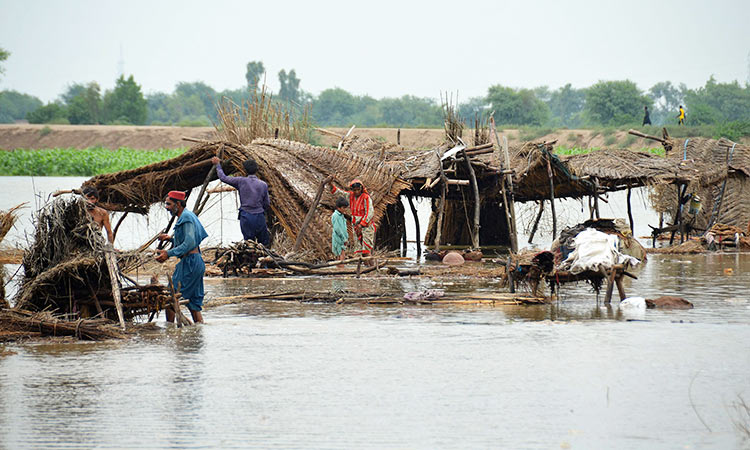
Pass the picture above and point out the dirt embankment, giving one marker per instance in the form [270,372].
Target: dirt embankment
[16,136]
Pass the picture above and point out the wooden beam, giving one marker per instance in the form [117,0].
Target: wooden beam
[477,200]
[416,225]
[311,212]
[109,257]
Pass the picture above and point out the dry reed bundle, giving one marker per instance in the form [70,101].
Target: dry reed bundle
[18,324]
[687,247]
[452,121]
[261,117]
[7,220]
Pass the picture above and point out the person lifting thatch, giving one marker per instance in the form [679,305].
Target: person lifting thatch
[253,200]
[188,274]
[362,211]
[99,215]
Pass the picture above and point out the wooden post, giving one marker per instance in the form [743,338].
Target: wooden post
[630,214]
[404,241]
[536,221]
[398,137]
[509,273]
[475,188]
[552,197]
[109,257]
[508,208]
[441,207]
[119,222]
[311,212]
[179,318]
[596,198]
[416,224]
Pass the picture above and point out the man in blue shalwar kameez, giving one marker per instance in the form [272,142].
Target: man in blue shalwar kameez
[188,274]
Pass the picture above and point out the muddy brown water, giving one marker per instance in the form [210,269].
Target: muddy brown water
[573,374]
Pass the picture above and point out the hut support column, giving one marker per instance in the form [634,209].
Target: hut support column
[630,214]
[441,206]
[552,198]
[475,188]
[596,198]
[536,221]
[506,177]
[416,225]
[311,213]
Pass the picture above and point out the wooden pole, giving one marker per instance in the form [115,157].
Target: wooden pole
[404,240]
[552,198]
[311,212]
[441,206]
[119,222]
[398,137]
[109,257]
[179,318]
[475,188]
[536,221]
[508,208]
[596,198]
[198,205]
[416,224]
[630,214]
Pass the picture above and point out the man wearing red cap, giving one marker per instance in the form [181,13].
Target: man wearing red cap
[362,210]
[188,274]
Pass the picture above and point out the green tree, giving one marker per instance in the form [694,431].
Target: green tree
[289,91]
[566,105]
[254,74]
[125,104]
[615,103]
[335,107]
[52,112]
[718,102]
[4,54]
[86,106]
[15,106]
[517,107]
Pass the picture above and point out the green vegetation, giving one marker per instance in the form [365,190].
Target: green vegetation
[45,131]
[714,110]
[73,162]
[566,151]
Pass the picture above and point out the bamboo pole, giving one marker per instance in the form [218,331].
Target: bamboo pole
[552,198]
[109,257]
[441,207]
[596,198]
[416,224]
[311,212]
[510,221]
[475,188]
[630,213]
[536,221]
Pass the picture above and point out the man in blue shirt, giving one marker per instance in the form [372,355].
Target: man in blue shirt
[188,274]
[253,200]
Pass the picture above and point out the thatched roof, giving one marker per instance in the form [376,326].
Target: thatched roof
[293,171]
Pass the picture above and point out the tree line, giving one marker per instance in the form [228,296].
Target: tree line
[606,103]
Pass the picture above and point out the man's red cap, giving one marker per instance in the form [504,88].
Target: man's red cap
[177,195]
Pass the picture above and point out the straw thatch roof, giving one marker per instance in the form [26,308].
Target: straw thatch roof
[293,171]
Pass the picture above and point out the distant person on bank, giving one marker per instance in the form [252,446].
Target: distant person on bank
[253,200]
[646,118]
[681,116]
[188,274]
[99,215]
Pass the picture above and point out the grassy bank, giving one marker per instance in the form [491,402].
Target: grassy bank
[562,150]
[79,162]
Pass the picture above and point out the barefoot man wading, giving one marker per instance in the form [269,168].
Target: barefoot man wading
[188,274]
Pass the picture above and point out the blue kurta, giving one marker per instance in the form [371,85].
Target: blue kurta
[340,235]
[188,274]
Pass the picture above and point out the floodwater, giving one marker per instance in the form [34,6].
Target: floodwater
[574,374]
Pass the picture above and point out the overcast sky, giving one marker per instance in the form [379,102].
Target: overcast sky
[381,48]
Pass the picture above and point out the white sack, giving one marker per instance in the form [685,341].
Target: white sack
[595,250]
